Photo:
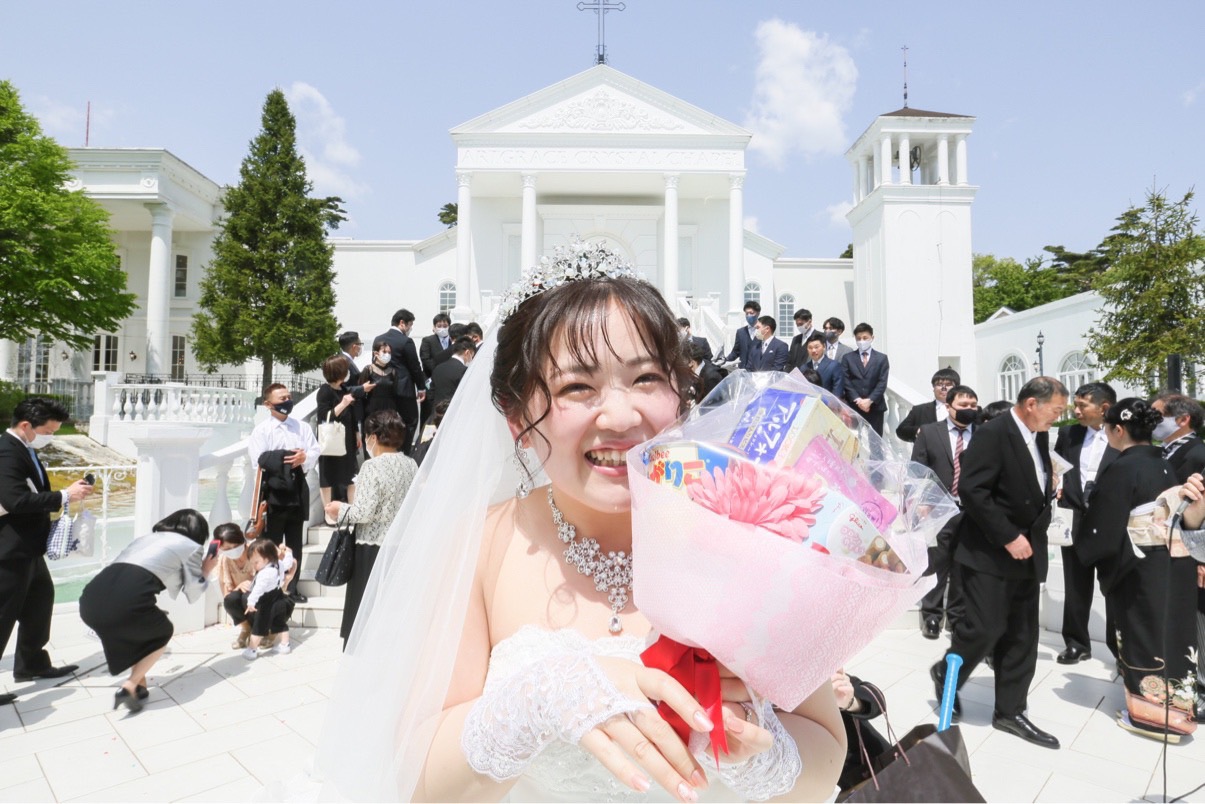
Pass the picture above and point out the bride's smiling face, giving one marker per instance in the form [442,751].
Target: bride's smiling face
[605,399]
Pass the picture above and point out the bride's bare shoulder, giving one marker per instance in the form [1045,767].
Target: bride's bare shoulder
[504,523]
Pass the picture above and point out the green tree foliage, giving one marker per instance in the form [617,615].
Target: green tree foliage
[848,253]
[59,271]
[269,292]
[448,215]
[1004,282]
[1077,270]
[1153,291]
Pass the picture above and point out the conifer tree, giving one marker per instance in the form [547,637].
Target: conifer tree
[269,292]
[1153,292]
[59,271]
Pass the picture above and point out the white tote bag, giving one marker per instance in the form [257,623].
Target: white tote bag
[332,438]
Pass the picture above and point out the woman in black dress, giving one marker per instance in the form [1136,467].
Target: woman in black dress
[383,396]
[336,404]
[1139,576]
[119,603]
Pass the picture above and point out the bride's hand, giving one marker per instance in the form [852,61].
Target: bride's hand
[645,736]
[745,738]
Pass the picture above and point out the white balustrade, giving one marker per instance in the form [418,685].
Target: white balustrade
[158,402]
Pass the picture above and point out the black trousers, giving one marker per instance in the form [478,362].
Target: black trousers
[941,563]
[27,599]
[874,417]
[288,525]
[1078,580]
[235,604]
[407,408]
[1001,617]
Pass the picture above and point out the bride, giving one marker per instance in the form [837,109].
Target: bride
[500,656]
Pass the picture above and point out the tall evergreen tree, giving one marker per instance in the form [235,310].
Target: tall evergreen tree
[59,271]
[269,292]
[1153,291]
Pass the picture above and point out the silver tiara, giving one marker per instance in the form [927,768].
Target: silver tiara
[578,260]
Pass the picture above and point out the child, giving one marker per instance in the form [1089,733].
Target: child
[267,605]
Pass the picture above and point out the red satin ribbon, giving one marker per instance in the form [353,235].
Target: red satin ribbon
[697,671]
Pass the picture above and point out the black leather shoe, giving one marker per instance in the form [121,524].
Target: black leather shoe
[930,627]
[131,702]
[297,597]
[142,692]
[938,673]
[7,698]
[1021,727]
[990,662]
[49,672]
[1073,655]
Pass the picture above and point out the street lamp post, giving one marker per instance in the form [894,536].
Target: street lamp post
[1041,362]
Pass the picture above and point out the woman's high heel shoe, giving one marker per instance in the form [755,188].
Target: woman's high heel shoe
[131,702]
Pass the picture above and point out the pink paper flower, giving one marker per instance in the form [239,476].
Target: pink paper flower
[784,503]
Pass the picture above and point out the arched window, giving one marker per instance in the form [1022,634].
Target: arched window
[447,296]
[786,315]
[753,292]
[1011,378]
[1075,370]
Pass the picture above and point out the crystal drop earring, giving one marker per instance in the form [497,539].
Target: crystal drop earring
[519,459]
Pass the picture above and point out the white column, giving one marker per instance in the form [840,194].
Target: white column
[527,247]
[464,245]
[876,175]
[905,160]
[960,159]
[6,359]
[943,159]
[861,193]
[158,289]
[885,158]
[736,246]
[670,286]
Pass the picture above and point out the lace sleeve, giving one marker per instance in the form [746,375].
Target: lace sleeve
[765,775]
[560,697]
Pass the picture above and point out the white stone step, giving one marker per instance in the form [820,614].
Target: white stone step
[311,588]
[319,612]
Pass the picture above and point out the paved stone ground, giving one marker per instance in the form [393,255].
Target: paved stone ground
[211,717]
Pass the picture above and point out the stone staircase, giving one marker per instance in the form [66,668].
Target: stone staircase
[325,606]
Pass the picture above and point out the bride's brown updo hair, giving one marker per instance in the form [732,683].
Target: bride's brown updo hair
[1136,416]
[576,312]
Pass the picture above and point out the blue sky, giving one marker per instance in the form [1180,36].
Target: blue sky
[1081,106]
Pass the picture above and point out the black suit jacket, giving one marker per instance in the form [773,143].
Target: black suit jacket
[742,347]
[1188,458]
[1001,499]
[699,340]
[797,355]
[932,449]
[709,377]
[405,361]
[1070,445]
[431,353]
[445,380]
[832,376]
[772,358]
[26,525]
[918,417]
[866,382]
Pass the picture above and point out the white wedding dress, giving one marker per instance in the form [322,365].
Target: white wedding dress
[562,771]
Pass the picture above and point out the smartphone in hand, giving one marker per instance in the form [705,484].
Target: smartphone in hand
[213,548]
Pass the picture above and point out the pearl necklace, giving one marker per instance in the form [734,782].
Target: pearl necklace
[611,573]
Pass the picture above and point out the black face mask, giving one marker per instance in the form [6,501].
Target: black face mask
[967,416]
[831,335]
[284,408]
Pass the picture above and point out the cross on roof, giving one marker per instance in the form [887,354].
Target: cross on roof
[601,7]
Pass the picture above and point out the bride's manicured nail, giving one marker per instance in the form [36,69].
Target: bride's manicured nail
[686,793]
[733,723]
[702,721]
[641,783]
[698,780]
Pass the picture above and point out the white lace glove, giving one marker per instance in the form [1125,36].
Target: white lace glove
[762,776]
[561,697]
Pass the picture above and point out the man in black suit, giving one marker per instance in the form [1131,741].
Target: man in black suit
[26,589]
[939,446]
[1184,450]
[1006,491]
[1086,448]
[832,330]
[690,341]
[743,346]
[929,412]
[436,344]
[797,355]
[832,376]
[410,377]
[448,374]
[768,353]
[350,347]
[866,378]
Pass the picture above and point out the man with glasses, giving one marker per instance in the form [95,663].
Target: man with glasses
[929,412]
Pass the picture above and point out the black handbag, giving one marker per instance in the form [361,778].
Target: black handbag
[926,765]
[339,557]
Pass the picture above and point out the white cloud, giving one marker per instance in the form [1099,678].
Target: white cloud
[836,214]
[1190,96]
[751,223]
[330,158]
[805,85]
[69,124]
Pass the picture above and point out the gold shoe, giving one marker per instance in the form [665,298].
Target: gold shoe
[244,636]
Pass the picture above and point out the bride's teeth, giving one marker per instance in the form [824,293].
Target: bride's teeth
[608,457]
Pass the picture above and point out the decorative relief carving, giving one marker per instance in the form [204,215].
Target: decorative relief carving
[602,111]
[736,181]
[73,184]
[529,180]
[671,181]
[602,159]
[150,182]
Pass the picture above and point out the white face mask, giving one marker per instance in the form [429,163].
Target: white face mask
[237,552]
[1165,428]
[442,332]
[41,440]
[864,346]
[384,358]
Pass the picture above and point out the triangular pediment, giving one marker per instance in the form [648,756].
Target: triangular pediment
[599,101]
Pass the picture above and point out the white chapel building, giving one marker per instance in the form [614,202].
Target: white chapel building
[602,155]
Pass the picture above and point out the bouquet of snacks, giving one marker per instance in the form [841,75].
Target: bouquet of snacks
[775,533]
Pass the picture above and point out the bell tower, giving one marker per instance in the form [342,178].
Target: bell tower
[911,225]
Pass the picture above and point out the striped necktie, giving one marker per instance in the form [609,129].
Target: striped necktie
[958,447]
